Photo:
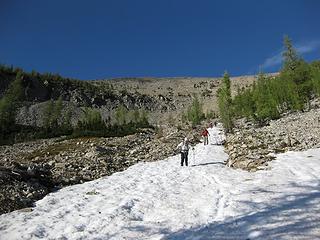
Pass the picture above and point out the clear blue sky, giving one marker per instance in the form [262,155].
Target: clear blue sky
[122,38]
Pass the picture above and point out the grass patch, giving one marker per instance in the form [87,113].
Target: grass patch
[50,151]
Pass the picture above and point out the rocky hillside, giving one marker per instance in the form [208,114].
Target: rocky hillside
[76,95]
[31,170]
[163,98]
[177,92]
[251,147]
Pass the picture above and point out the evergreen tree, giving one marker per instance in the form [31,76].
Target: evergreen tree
[225,103]
[243,103]
[9,104]
[296,70]
[52,114]
[66,123]
[266,104]
[57,112]
[290,55]
[316,80]
[47,115]
[195,112]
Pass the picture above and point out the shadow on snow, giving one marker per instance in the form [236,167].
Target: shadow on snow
[285,218]
[209,163]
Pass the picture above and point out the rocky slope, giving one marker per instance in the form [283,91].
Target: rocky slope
[177,92]
[251,147]
[31,170]
[163,98]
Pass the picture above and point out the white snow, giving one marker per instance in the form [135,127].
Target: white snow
[161,200]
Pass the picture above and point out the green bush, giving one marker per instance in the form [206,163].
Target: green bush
[121,115]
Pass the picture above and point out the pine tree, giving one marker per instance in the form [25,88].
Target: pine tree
[296,70]
[9,103]
[47,115]
[66,125]
[266,104]
[195,112]
[54,121]
[290,55]
[243,103]
[316,80]
[225,103]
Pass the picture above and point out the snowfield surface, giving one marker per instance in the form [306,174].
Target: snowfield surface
[161,200]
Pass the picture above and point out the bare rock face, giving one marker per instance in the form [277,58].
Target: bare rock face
[251,147]
[75,101]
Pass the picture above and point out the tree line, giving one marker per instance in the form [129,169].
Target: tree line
[57,117]
[271,96]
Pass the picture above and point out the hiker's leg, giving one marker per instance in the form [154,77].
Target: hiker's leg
[182,158]
[186,158]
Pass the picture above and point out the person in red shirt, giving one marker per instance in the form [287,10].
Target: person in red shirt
[205,134]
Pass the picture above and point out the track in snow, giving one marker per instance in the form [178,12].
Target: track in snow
[161,200]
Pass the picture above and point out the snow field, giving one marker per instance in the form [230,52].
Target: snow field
[161,200]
